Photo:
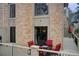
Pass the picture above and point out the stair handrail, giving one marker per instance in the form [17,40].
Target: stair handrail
[76,36]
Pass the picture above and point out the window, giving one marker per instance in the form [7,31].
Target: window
[12,10]
[12,34]
[41,9]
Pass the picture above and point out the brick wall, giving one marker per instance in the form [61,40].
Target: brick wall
[23,23]
[56,14]
[4,22]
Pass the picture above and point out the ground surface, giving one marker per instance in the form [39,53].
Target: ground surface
[69,45]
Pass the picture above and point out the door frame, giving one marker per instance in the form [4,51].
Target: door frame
[34,33]
[40,21]
[35,39]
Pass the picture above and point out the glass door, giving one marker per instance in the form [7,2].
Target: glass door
[40,35]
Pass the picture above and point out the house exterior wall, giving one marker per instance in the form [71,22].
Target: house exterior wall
[4,22]
[24,22]
[1,13]
[56,12]
[24,28]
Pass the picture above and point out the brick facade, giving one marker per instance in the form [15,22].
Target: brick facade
[24,22]
[56,12]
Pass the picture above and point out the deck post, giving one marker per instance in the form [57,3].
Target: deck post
[34,50]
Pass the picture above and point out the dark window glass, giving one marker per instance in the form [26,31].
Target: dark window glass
[41,35]
[12,34]
[41,9]
[12,10]
[65,4]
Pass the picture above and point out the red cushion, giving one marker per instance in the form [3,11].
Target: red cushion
[30,43]
[49,42]
[57,48]
[53,49]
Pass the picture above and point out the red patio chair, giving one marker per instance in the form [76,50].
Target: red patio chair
[30,43]
[57,48]
[49,42]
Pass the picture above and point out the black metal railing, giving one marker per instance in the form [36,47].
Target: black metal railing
[76,39]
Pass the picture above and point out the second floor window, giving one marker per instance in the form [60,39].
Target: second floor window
[12,10]
[41,9]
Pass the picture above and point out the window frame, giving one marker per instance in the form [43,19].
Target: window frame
[12,34]
[9,11]
[37,16]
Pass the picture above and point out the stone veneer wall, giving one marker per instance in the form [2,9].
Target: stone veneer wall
[4,22]
[56,14]
[1,15]
[23,23]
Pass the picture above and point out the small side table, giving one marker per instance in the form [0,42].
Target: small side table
[45,47]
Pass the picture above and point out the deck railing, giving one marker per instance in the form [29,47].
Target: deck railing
[7,49]
[57,53]
[11,49]
[76,39]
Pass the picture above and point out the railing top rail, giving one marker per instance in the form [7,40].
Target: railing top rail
[44,50]
[75,36]
[14,45]
[59,52]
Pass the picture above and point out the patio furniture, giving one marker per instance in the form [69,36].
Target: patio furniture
[41,52]
[57,47]
[49,42]
[30,43]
